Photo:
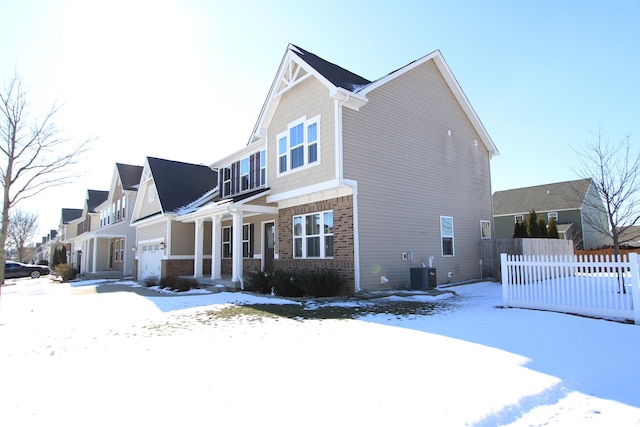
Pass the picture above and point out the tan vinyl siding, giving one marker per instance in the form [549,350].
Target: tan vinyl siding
[149,207]
[156,231]
[310,99]
[410,172]
[182,238]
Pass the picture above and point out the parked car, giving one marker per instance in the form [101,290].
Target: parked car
[13,270]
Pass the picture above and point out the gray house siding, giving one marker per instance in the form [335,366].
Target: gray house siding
[412,151]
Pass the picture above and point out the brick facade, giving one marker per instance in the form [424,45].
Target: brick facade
[342,261]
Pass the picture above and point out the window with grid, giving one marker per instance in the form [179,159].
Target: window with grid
[313,235]
[298,146]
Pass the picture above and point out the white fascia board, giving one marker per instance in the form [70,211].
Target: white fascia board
[308,192]
[351,100]
[457,91]
[274,95]
[240,154]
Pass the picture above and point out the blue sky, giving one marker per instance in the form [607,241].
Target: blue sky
[185,80]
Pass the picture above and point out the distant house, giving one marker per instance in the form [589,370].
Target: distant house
[631,237]
[569,203]
[97,239]
[368,178]
[68,229]
[84,244]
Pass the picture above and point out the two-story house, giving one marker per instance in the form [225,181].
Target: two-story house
[575,207]
[369,178]
[114,237]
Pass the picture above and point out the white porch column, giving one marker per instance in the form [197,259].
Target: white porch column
[236,270]
[95,254]
[216,247]
[199,250]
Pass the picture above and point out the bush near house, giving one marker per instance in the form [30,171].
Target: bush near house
[151,281]
[66,272]
[310,283]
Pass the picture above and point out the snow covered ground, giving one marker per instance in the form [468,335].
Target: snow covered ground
[82,356]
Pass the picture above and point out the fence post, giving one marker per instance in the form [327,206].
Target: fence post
[505,279]
[635,286]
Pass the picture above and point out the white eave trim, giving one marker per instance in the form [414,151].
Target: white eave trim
[334,185]
[457,91]
[351,100]
[226,205]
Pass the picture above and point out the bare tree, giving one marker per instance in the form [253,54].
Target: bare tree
[614,170]
[34,153]
[23,226]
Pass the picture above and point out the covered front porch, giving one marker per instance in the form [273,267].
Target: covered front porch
[242,235]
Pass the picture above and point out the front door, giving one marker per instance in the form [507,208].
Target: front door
[268,250]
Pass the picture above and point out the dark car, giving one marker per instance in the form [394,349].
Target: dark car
[14,270]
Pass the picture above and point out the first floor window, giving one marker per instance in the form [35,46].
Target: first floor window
[247,241]
[226,242]
[117,250]
[553,215]
[485,229]
[247,250]
[519,218]
[446,235]
[313,235]
[121,249]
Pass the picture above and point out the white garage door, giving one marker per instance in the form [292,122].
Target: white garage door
[150,260]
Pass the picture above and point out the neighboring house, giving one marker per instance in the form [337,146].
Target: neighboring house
[163,246]
[631,237]
[68,229]
[570,203]
[115,237]
[368,178]
[84,245]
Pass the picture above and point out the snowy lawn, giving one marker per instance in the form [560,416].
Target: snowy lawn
[100,354]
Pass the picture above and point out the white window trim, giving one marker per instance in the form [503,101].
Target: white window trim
[442,236]
[305,144]
[304,236]
[553,215]
[518,218]
[230,241]
[484,222]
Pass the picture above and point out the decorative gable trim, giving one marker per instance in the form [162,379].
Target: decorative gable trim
[294,70]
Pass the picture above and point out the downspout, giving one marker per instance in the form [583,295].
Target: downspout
[353,184]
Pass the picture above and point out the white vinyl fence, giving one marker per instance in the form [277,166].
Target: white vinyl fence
[593,286]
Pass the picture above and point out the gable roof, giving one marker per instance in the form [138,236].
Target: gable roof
[129,176]
[69,214]
[350,88]
[95,198]
[338,76]
[542,198]
[178,183]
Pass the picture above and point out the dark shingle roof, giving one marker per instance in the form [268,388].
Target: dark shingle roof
[541,198]
[179,184]
[337,75]
[95,198]
[129,175]
[69,214]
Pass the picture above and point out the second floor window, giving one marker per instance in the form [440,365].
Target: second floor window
[246,174]
[298,147]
